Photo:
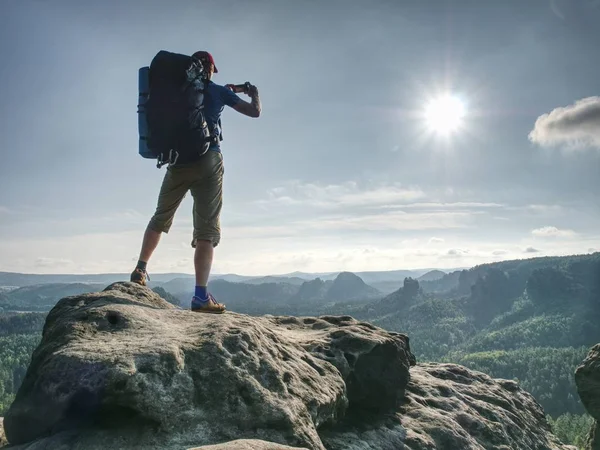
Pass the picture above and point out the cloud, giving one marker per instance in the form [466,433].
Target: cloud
[4,210]
[334,225]
[436,240]
[552,232]
[348,194]
[544,209]
[499,252]
[531,250]
[449,205]
[575,126]
[592,250]
[457,252]
[43,262]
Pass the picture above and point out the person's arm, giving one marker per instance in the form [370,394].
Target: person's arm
[251,108]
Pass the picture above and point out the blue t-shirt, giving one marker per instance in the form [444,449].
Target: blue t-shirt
[216,97]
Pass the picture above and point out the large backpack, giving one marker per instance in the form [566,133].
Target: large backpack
[171,121]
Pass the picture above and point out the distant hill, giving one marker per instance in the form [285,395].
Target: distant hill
[257,296]
[387,275]
[167,296]
[176,285]
[385,280]
[348,286]
[432,275]
[387,287]
[249,298]
[43,297]
[279,295]
[296,281]
[311,291]
[446,283]
[368,277]
[460,281]
[310,276]
[23,279]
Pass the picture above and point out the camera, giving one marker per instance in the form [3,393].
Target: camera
[244,87]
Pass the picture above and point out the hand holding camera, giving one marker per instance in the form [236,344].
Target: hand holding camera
[246,88]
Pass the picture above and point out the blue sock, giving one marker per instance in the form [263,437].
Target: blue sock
[201,293]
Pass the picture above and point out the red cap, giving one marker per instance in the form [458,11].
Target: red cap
[205,55]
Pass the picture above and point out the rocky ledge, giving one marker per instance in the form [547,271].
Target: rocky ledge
[3,440]
[123,368]
[587,377]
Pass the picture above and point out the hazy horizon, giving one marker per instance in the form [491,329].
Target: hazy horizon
[216,274]
[340,171]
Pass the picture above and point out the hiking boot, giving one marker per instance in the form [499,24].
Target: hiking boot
[138,276]
[210,306]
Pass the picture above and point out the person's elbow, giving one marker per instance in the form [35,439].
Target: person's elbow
[247,109]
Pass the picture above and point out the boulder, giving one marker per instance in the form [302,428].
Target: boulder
[448,407]
[248,444]
[123,368]
[3,440]
[587,378]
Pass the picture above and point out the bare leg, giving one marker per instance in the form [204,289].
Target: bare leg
[149,244]
[203,258]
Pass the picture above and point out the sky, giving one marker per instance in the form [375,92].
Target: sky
[341,171]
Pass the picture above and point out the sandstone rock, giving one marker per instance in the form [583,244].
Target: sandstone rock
[247,444]
[587,378]
[101,440]
[449,407]
[123,368]
[591,442]
[3,440]
[369,359]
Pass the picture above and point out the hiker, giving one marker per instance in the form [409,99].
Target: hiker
[203,177]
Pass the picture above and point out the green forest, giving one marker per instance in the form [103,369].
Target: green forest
[529,320]
[19,335]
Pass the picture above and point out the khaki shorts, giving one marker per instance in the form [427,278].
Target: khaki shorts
[204,179]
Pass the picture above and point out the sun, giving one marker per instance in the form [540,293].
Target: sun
[444,114]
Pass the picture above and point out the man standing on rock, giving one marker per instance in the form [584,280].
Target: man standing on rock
[204,179]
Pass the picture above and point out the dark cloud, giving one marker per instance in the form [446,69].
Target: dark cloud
[574,126]
[531,250]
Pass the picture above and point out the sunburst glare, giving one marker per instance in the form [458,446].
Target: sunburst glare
[444,114]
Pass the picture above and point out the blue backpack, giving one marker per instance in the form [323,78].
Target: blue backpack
[171,122]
